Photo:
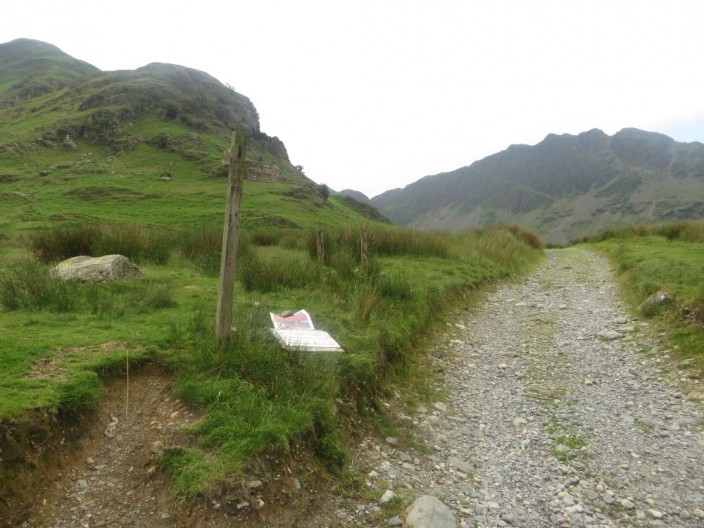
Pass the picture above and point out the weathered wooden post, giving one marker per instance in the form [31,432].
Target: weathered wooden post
[364,249]
[236,159]
[320,240]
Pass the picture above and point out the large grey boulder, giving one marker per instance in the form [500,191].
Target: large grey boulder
[95,269]
[429,512]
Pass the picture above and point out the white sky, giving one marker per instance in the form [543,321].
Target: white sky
[373,95]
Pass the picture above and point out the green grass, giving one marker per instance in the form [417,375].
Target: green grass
[651,259]
[104,195]
[568,447]
[255,397]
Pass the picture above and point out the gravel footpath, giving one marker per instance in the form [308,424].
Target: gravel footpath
[560,410]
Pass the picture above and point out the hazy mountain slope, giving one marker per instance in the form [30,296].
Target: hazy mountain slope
[563,187]
[356,195]
[29,68]
[77,142]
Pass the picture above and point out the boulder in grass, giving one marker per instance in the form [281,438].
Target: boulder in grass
[96,269]
[655,303]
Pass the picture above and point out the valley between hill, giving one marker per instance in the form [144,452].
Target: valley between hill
[553,407]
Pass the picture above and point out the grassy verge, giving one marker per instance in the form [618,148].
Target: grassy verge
[255,397]
[663,258]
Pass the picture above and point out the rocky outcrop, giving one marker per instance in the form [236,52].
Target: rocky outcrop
[95,269]
[274,145]
[263,172]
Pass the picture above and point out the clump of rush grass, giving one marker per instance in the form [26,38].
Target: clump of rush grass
[202,245]
[136,242]
[28,286]
[382,241]
[265,237]
[685,231]
[529,238]
[64,242]
[283,272]
[499,245]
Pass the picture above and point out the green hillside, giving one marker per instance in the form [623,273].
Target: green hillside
[98,163]
[564,187]
[78,144]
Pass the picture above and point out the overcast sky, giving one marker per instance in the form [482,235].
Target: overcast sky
[373,95]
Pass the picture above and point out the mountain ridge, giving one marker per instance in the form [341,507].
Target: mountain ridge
[563,187]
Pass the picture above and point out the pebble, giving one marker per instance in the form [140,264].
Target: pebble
[387,497]
[655,514]
[628,504]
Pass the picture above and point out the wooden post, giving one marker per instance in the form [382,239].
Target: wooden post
[235,157]
[321,246]
[364,249]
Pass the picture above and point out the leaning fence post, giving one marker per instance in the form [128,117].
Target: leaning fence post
[320,245]
[236,159]
[364,249]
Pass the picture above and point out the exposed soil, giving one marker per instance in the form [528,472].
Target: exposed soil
[104,469]
[110,476]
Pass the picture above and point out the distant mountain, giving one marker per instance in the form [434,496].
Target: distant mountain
[357,195]
[564,187]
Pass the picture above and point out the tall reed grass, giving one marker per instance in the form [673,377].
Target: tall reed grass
[136,242]
[202,245]
[381,241]
[685,231]
[284,272]
[28,286]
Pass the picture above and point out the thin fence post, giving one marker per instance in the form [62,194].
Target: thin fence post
[320,244]
[364,249]
[236,159]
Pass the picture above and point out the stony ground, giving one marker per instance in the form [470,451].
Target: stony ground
[554,408]
[560,410]
[112,478]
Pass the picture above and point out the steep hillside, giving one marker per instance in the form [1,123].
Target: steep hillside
[564,187]
[80,143]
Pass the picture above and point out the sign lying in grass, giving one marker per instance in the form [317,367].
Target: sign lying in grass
[296,332]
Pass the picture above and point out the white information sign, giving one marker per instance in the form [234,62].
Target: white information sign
[296,332]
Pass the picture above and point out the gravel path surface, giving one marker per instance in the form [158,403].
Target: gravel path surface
[560,410]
